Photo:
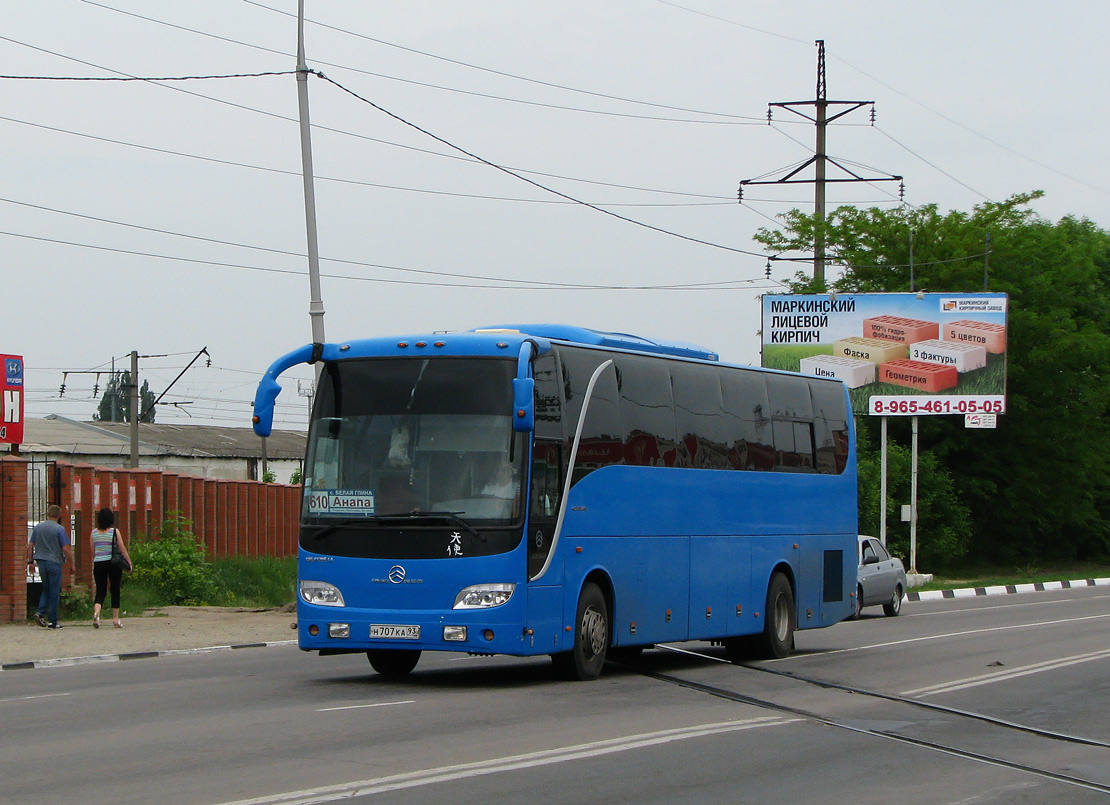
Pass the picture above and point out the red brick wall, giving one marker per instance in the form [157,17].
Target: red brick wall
[13,538]
[234,518]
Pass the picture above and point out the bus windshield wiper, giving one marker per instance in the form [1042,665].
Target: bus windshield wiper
[323,532]
[451,517]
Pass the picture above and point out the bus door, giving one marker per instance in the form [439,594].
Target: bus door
[543,505]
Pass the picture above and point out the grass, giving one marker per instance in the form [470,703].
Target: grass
[252,583]
[261,582]
[989,576]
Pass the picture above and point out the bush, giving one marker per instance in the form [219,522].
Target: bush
[173,566]
[75,603]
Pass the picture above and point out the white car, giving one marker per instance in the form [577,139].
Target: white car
[32,569]
[880,578]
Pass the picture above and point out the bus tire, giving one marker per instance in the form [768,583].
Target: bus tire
[591,638]
[393,662]
[777,639]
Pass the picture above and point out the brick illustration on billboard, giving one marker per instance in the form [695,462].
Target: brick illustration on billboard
[11,401]
[899,354]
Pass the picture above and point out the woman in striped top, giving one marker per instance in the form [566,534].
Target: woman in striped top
[105,574]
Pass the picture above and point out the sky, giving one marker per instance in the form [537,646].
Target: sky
[479,163]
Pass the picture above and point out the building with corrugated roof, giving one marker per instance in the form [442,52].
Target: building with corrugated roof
[204,451]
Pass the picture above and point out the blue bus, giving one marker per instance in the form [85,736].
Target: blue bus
[546,489]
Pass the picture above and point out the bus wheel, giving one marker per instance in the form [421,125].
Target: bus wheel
[591,638]
[777,639]
[393,662]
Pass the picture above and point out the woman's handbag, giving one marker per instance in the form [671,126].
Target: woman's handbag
[118,559]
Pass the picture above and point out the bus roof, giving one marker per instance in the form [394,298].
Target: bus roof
[599,338]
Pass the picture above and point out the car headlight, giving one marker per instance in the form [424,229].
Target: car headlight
[321,594]
[481,596]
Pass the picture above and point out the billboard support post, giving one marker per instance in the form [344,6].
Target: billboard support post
[882,483]
[913,500]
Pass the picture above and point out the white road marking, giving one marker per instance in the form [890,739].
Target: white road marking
[29,698]
[944,636]
[544,757]
[1014,673]
[364,706]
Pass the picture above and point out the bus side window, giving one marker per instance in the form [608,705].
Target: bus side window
[747,421]
[601,443]
[792,422]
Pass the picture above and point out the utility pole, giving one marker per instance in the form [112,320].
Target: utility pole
[820,160]
[134,463]
[316,302]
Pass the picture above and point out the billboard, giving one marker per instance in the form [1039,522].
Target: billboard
[900,354]
[11,401]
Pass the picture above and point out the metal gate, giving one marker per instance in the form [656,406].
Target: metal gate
[44,486]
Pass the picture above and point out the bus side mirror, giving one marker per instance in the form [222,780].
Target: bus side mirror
[268,388]
[524,407]
[263,419]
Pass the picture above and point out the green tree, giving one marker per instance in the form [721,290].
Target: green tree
[1037,487]
[115,403]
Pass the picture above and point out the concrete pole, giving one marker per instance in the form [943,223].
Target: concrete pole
[134,463]
[316,303]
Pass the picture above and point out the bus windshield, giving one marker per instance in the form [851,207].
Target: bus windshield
[399,447]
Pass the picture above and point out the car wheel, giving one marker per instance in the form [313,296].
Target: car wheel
[591,638]
[894,606]
[777,639]
[393,662]
[857,605]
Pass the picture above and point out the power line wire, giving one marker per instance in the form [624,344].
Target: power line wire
[734,120]
[522,285]
[502,73]
[532,182]
[719,200]
[968,129]
[935,167]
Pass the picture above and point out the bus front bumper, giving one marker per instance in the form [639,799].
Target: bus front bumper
[345,630]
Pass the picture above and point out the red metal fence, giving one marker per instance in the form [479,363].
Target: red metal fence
[232,518]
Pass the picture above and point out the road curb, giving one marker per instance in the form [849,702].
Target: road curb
[66,662]
[1007,589]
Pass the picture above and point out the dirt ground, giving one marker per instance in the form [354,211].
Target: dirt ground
[166,629]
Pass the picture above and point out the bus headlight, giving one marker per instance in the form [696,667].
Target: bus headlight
[482,596]
[321,594]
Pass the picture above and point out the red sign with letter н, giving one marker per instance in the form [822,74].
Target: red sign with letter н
[11,400]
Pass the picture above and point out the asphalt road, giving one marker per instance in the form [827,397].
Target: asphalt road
[998,699]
